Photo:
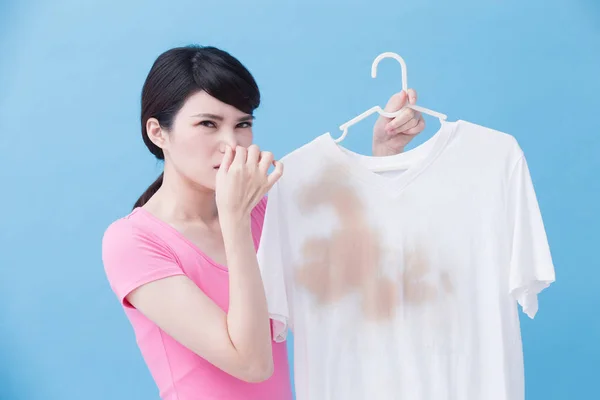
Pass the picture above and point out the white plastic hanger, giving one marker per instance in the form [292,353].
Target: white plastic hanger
[344,127]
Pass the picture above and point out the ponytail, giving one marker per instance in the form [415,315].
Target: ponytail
[153,188]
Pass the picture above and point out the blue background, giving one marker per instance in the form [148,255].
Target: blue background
[73,160]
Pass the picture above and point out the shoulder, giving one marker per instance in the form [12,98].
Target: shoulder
[489,149]
[134,253]
[125,231]
[129,238]
[300,152]
[485,137]
[121,228]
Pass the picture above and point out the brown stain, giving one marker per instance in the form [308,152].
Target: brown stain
[415,287]
[420,283]
[348,261]
[380,299]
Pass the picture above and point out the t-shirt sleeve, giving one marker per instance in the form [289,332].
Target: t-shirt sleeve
[132,258]
[271,257]
[531,266]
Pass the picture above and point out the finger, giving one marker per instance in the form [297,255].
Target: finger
[240,156]
[266,160]
[412,96]
[227,159]
[417,129]
[253,155]
[405,116]
[396,102]
[275,175]
[407,126]
[410,123]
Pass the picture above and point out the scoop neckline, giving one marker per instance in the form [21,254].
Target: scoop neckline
[180,236]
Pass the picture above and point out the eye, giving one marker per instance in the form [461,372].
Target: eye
[208,124]
[246,124]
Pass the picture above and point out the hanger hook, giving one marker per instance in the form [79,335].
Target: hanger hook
[377,109]
[395,57]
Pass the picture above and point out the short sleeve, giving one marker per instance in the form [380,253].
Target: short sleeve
[133,257]
[271,256]
[531,266]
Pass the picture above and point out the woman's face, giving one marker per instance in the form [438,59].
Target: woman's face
[195,144]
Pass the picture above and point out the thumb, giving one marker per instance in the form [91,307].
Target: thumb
[227,159]
[396,102]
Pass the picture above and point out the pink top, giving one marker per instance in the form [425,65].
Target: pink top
[140,248]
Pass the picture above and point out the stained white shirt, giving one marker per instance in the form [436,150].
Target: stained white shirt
[406,284]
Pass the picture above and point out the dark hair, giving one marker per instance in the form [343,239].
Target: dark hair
[181,72]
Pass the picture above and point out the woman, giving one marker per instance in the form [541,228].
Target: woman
[183,262]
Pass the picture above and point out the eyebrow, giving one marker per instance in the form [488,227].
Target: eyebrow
[220,118]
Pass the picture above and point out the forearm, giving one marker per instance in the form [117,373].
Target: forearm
[247,318]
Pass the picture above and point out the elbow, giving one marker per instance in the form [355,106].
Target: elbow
[259,371]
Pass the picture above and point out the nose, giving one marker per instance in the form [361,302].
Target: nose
[227,139]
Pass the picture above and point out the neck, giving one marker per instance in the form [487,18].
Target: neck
[178,199]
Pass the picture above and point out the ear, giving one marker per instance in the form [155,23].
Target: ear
[155,133]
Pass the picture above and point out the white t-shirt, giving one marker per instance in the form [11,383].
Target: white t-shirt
[404,285]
